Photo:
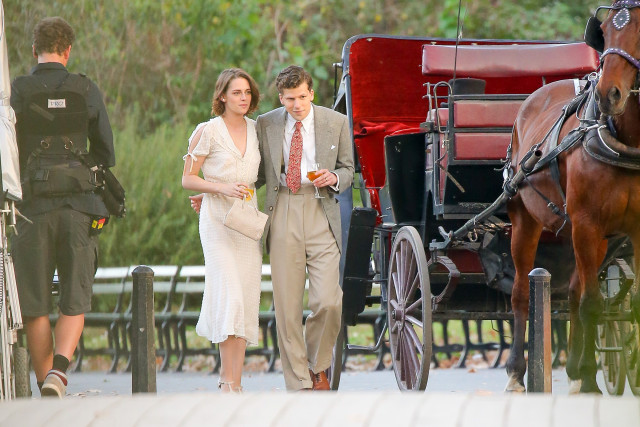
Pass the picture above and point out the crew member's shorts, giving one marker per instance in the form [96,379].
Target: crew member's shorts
[56,239]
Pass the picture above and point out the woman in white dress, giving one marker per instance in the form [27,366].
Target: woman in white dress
[225,149]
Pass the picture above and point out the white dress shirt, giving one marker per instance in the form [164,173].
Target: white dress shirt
[308,148]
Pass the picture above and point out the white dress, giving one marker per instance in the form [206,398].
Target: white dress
[233,262]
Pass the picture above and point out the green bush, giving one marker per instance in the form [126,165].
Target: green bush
[160,227]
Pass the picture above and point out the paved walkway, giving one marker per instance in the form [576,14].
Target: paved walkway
[479,381]
[324,409]
[454,397]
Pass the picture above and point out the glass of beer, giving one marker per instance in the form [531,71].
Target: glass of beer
[313,174]
[250,195]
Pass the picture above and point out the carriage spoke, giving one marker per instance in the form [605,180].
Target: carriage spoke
[399,284]
[410,272]
[415,306]
[394,328]
[414,321]
[401,357]
[398,346]
[412,290]
[400,269]
[416,341]
[394,276]
[394,304]
[412,363]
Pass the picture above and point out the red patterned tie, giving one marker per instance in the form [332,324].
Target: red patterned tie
[295,155]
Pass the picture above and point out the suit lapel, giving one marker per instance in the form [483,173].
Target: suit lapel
[322,138]
[275,136]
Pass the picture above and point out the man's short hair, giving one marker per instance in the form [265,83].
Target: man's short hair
[52,35]
[292,77]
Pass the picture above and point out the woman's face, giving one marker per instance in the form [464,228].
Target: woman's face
[237,98]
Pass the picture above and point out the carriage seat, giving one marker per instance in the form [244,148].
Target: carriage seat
[369,141]
[478,113]
[472,119]
[481,146]
[491,61]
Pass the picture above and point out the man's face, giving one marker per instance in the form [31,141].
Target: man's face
[297,101]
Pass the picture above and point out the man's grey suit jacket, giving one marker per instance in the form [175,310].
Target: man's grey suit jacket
[333,152]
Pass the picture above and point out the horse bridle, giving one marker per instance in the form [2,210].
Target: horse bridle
[595,38]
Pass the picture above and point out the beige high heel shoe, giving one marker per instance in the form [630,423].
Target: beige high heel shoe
[228,384]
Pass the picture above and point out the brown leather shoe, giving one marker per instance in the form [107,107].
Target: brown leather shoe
[320,381]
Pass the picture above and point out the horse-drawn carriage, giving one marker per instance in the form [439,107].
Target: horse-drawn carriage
[433,130]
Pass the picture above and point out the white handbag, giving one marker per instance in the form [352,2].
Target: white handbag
[245,218]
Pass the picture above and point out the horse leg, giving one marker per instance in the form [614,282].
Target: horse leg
[589,256]
[524,243]
[574,349]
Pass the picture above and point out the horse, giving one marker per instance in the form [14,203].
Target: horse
[599,199]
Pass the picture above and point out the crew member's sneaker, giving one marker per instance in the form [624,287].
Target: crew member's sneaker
[55,384]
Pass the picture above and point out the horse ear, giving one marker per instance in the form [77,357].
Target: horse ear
[593,35]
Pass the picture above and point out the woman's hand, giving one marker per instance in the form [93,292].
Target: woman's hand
[196,202]
[234,189]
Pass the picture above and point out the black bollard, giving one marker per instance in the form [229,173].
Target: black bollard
[143,345]
[539,363]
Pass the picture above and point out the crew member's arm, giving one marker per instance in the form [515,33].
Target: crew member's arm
[100,134]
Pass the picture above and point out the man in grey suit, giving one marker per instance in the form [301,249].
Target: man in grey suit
[303,233]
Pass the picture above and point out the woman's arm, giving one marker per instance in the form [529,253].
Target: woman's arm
[191,179]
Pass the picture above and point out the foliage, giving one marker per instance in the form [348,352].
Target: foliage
[160,227]
[157,61]
[163,56]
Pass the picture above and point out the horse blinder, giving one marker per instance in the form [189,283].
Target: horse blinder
[593,35]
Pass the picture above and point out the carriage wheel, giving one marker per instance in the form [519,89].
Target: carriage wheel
[631,351]
[609,333]
[611,361]
[21,368]
[409,311]
[631,340]
[338,359]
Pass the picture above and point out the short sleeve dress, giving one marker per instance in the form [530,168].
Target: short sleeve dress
[233,262]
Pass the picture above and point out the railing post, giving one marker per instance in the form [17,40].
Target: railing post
[143,349]
[539,364]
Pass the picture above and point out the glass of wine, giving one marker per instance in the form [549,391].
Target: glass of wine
[312,174]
